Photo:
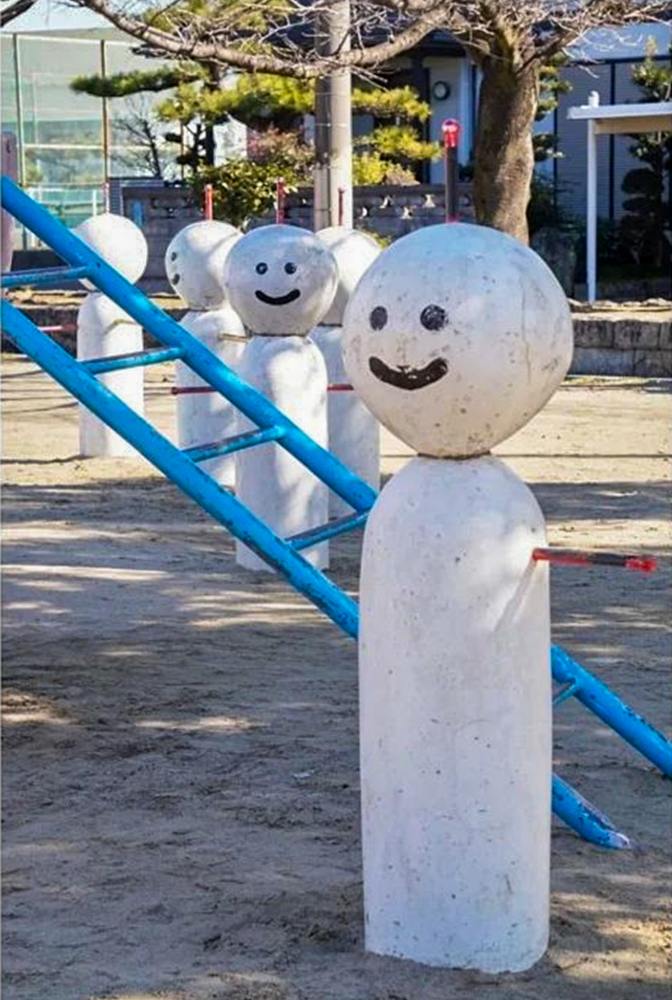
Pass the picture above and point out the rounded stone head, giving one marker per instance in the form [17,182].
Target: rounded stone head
[455,337]
[280,280]
[354,252]
[118,241]
[195,262]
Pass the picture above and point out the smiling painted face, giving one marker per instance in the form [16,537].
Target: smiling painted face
[455,337]
[280,280]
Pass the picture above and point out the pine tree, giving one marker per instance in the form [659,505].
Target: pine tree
[273,108]
[646,224]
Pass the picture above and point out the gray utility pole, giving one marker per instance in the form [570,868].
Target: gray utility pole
[333,124]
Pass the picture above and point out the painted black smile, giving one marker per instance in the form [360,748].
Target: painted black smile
[409,378]
[278,300]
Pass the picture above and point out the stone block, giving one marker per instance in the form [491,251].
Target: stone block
[602,361]
[636,333]
[590,332]
[665,335]
[653,364]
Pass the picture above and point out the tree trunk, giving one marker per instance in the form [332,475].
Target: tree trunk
[209,145]
[503,153]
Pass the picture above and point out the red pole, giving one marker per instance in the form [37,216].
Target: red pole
[451,139]
[280,193]
[207,197]
[190,390]
[576,557]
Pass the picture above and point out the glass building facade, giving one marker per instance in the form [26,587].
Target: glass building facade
[70,145]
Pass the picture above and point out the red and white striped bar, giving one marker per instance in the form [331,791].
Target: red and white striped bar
[579,557]
[177,390]
[190,390]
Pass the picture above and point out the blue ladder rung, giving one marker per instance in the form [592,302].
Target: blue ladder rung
[116,362]
[324,531]
[236,443]
[588,821]
[44,276]
[567,692]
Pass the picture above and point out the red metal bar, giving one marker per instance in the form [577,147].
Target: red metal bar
[451,139]
[190,390]
[179,390]
[207,202]
[280,193]
[577,557]
[341,205]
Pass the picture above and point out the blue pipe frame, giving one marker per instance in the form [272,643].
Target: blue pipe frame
[282,554]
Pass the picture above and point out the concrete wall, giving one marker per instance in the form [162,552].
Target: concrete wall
[388,211]
[160,212]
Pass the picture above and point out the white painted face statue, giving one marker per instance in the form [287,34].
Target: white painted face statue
[118,241]
[354,252]
[195,262]
[455,337]
[280,280]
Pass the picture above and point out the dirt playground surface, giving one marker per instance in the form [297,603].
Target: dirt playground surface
[180,764]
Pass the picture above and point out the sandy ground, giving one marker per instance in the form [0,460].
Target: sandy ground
[180,769]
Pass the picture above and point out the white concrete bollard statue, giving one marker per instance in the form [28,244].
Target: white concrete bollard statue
[354,434]
[281,281]
[195,267]
[104,329]
[455,337]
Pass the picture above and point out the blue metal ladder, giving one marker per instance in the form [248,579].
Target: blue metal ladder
[182,467]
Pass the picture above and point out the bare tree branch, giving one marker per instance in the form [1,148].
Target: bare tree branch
[9,11]
[282,36]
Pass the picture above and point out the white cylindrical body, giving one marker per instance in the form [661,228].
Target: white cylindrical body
[455,718]
[104,329]
[206,417]
[290,371]
[354,434]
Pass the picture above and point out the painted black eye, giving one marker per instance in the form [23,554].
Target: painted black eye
[261,268]
[290,268]
[173,255]
[378,318]
[175,280]
[433,317]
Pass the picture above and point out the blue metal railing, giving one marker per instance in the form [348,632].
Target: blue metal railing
[183,469]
